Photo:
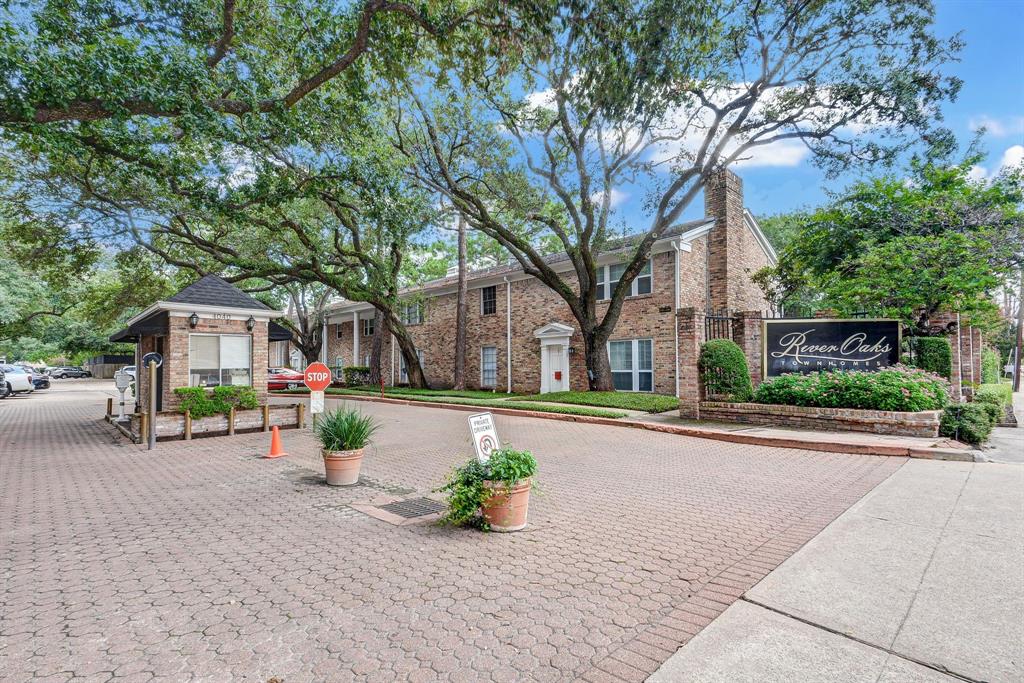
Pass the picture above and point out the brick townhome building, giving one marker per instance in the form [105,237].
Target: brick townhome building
[522,337]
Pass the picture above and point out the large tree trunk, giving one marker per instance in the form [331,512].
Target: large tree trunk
[599,370]
[408,350]
[460,311]
[380,332]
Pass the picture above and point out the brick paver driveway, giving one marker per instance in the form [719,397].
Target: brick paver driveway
[199,561]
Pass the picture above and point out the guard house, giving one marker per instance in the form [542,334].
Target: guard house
[210,334]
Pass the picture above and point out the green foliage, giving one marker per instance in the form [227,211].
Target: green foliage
[356,375]
[724,371]
[909,249]
[466,488]
[898,388]
[968,422]
[991,366]
[345,430]
[650,403]
[934,354]
[1000,392]
[201,402]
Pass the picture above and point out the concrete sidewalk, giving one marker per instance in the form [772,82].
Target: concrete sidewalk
[922,580]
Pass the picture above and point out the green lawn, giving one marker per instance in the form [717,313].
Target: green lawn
[649,403]
[408,391]
[442,396]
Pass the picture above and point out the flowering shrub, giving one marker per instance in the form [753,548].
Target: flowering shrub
[897,388]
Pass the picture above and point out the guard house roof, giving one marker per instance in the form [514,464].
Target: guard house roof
[210,294]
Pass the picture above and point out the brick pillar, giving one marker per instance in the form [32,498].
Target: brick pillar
[691,336]
[977,349]
[723,200]
[826,313]
[746,332]
[956,372]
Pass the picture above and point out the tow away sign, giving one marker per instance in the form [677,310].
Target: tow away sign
[485,436]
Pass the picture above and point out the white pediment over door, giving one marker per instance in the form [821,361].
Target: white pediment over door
[553,331]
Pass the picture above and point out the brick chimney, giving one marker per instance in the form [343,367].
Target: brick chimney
[723,200]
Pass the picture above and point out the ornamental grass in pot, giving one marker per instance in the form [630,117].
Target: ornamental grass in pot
[343,435]
[493,496]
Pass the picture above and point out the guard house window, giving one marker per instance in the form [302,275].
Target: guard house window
[489,366]
[367,327]
[489,300]
[411,313]
[608,279]
[337,330]
[632,363]
[219,359]
[403,370]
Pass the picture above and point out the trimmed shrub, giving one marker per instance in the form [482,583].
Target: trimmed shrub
[1003,393]
[990,363]
[356,375]
[723,370]
[967,422]
[897,388]
[935,355]
[201,402]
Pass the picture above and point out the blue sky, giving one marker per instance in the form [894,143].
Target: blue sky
[992,68]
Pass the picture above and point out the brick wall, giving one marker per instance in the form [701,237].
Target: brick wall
[176,356]
[735,254]
[924,423]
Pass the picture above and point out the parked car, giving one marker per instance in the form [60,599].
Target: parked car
[16,380]
[129,370]
[65,371]
[40,381]
[284,378]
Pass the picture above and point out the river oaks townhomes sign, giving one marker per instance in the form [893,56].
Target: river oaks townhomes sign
[821,344]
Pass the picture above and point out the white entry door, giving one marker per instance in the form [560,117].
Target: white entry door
[557,368]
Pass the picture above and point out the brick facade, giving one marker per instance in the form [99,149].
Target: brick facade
[533,305]
[174,346]
[922,424]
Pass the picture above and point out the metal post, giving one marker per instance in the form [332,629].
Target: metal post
[152,405]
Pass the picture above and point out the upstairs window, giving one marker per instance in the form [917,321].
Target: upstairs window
[411,312]
[608,277]
[367,327]
[489,300]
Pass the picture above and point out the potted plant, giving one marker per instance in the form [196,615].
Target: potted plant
[344,434]
[494,495]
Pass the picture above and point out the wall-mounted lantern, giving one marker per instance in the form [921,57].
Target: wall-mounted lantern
[193,320]
[250,323]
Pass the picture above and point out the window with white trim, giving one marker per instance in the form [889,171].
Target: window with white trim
[632,364]
[489,300]
[489,366]
[337,330]
[219,359]
[367,327]
[403,370]
[411,312]
[608,279]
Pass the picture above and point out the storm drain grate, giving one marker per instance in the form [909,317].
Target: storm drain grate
[414,507]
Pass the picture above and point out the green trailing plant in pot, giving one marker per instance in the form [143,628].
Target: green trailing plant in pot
[494,496]
[343,435]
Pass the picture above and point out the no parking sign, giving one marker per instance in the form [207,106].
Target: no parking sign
[485,436]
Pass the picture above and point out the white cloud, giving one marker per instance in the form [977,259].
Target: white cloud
[1012,156]
[617,197]
[1013,125]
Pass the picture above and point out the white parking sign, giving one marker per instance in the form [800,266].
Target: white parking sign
[485,436]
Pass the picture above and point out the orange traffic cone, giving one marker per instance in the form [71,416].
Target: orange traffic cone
[276,449]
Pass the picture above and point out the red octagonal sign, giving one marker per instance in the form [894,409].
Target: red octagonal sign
[317,376]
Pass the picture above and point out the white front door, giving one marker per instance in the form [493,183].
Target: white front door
[555,369]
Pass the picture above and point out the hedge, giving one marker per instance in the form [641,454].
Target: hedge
[1001,393]
[968,422]
[201,402]
[990,365]
[356,375]
[723,370]
[898,388]
[935,355]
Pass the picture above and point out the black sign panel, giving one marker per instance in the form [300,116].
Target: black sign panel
[813,344]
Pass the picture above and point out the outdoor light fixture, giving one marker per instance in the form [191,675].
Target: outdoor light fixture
[250,323]
[193,320]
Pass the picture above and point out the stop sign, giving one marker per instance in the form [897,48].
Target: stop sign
[317,376]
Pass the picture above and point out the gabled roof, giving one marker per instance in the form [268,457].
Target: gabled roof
[211,290]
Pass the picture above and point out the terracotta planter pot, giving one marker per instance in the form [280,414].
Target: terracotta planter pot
[507,511]
[342,466]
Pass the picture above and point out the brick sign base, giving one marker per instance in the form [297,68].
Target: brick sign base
[924,423]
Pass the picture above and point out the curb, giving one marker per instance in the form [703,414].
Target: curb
[697,432]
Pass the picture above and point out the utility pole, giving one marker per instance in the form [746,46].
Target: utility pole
[460,311]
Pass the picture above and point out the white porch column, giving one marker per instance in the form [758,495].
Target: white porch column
[355,338]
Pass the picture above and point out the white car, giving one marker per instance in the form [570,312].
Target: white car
[129,370]
[16,380]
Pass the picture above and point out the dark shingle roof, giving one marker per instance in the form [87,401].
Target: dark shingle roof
[211,290]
